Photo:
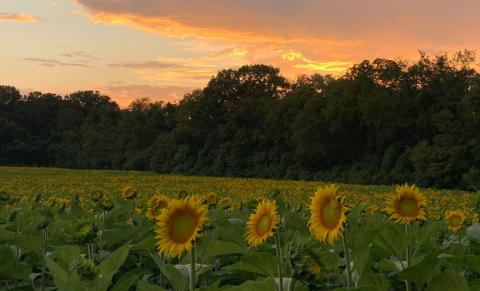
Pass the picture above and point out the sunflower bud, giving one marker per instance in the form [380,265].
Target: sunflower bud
[85,268]
[12,216]
[42,223]
[272,193]
[251,203]
[84,232]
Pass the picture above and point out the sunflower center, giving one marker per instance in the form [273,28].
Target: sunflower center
[183,227]
[331,214]
[455,221]
[264,225]
[409,207]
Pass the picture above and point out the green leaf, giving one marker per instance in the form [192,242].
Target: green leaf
[28,243]
[447,281]
[5,235]
[217,248]
[115,261]
[19,272]
[375,281]
[101,283]
[474,231]
[176,277]
[387,266]
[420,273]
[6,257]
[64,254]
[360,261]
[147,244]
[115,236]
[264,285]
[127,280]
[72,284]
[392,240]
[472,262]
[422,236]
[360,238]
[354,213]
[262,263]
[144,286]
[59,275]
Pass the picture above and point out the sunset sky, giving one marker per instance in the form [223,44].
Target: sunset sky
[128,49]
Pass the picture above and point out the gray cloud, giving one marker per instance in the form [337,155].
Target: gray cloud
[143,65]
[54,63]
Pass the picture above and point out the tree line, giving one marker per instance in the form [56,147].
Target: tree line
[382,122]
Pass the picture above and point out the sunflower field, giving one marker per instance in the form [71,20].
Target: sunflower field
[110,230]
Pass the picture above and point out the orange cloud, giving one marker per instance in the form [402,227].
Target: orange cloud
[193,74]
[19,17]
[77,12]
[172,28]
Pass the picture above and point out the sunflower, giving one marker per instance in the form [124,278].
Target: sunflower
[157,203]
[97,195]
[263,223]
[179,225]
[212,199]
[129,194]
[226,200]
[107,204]
[328,215]
[314,267]
[475,218]
[407,206]
[454,219]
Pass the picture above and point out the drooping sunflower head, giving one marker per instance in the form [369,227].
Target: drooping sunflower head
[407,205]
[4,196]
[454,219]
[128,193]
[84,231]
[475,218]
[328,218]
[160,202]
[97,195]
[179,225]
[212,199]
[306,265]
[85,268]
[107,204]
[227,201]
[263,223]
[237,205]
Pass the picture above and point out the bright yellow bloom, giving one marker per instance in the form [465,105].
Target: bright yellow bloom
[328,215]
[407,206]
[128,193]
[454,219]
[263,223]
[179,225]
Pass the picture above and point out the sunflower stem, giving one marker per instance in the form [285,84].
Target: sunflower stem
[409,262]
[103,229]
[347,262]
[291,284]
[162,279]
[192,268]
[280,258]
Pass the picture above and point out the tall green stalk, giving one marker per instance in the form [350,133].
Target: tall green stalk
[192,268]
[280,258]
[45,246]
[409,259]
[347,262]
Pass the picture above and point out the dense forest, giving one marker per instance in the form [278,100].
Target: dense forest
[382,122]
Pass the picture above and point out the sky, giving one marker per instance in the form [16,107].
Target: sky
[129,49]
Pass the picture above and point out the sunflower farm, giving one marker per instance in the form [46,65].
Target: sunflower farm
[110,230]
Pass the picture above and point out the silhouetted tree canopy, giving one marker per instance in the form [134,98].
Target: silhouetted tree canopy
[382,122]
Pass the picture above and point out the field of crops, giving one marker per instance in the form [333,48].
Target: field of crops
[111,230]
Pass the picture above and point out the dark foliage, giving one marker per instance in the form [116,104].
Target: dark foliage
[383,122]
